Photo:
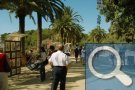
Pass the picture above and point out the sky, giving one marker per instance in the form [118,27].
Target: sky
[85,8]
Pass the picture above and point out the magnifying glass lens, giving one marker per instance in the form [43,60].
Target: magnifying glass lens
[104,62]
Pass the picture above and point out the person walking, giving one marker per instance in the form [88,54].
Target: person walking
[76,53]
[80,54]
[83,56]
[44,62]
[4,69]
[59,61]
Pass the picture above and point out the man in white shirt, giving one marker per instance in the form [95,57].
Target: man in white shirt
[59,61]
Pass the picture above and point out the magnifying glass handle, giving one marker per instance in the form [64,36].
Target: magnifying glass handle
[125,79]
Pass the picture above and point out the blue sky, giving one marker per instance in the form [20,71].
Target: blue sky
[85,8]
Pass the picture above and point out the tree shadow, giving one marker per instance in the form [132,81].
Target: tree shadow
[75,74]
[30,79]
[27,79]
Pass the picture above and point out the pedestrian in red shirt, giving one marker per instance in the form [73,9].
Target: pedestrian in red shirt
[4,69]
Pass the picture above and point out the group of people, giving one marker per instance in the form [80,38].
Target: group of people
[79,51]
[44,60]
[38,61]
[59,62]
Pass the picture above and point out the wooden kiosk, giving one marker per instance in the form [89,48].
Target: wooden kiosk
[12,48]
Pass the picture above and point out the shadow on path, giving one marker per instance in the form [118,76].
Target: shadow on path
[29,80]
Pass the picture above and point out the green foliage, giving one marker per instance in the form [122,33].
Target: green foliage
[67,26]
[97,35]
[49,9]
[46,33]
[120,11]
[31,39]
[3,36]
[112,39]
[121,14]
[84,39]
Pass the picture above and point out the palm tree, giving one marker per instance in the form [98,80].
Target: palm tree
[67,25]
[45,8]
[49,9]
[5,4]
[75,33]
[97,34]
[22,8]
[69,12]
[79,33]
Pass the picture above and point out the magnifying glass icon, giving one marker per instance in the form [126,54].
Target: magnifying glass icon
[121,76]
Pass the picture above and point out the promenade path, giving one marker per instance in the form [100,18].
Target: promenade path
[29,80]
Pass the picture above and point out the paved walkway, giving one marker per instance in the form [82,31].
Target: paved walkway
[29,80]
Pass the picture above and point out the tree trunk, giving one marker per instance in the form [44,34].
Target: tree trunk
[62,37]
[39,32]
[22,31]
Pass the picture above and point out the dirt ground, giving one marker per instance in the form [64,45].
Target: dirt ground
[29,80]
